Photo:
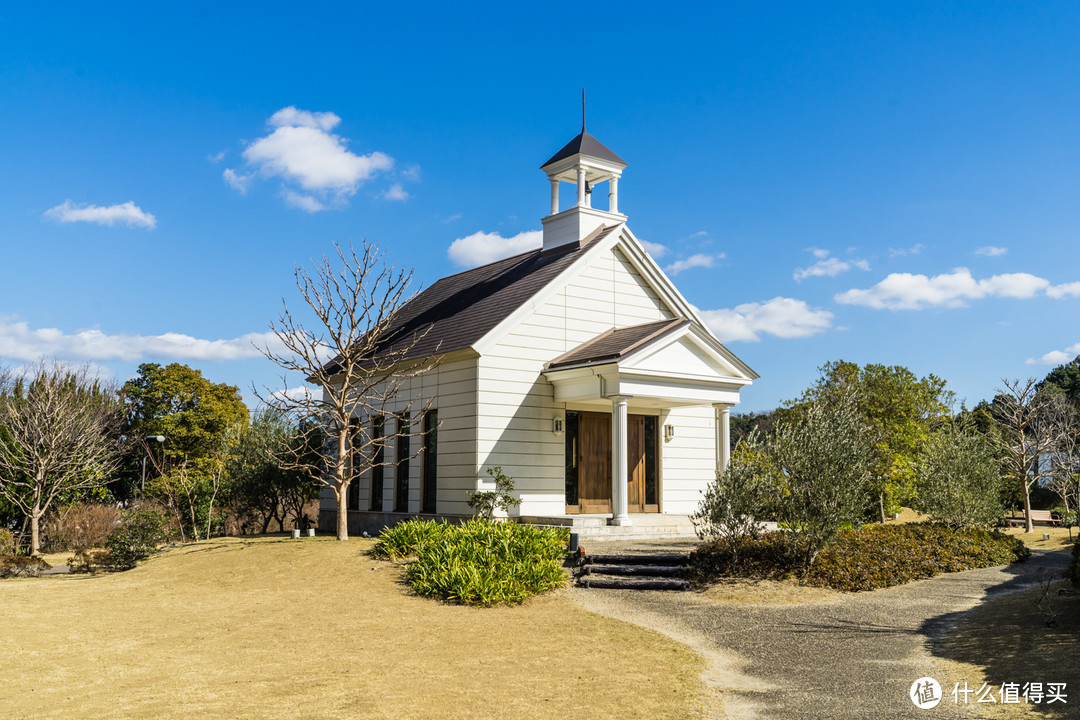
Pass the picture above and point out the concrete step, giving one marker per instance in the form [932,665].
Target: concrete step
[589,581]
[664,559]
[635,570]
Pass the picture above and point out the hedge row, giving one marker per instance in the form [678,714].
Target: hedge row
[872,557]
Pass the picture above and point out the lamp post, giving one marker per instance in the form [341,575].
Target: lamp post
[142,483]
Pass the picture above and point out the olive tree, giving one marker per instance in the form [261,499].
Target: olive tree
[732,506]
[823,455]
[959,481]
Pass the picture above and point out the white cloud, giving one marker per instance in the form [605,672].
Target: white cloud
[906,291]
[411,173]
[694,261]
[1014,285]
[238,181]
[395,192]
[655,249]
[126,213]
[1066,290]
[453,218]
[991,251]
[902,252]
[302,202]
[827,266]
[303,153]
[216,158]
[481,248]
[1057,357]
[297,393]
[19,342]
[291,117]
[781,316]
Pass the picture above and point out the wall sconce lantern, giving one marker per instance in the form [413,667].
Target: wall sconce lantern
[669,433]
[556,425]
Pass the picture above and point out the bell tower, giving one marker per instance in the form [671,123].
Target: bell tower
[583,162]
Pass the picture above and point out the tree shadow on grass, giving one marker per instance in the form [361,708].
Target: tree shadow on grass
[1007,637]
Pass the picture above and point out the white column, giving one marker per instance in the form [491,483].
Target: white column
[619,452]
[723,436]
[554,196]
[580,186]
[613,195]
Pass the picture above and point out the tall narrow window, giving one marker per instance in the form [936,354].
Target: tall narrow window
[571,458]
[401,491]
[354,474]
[651,465]
[377,457]
[431,461]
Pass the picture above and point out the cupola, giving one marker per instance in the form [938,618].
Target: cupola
[584,162]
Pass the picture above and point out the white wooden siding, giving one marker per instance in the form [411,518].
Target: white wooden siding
[516,404]
[451,390]
[689,458]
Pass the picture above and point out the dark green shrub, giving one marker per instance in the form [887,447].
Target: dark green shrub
[769,556]
[875,556]
[879,556]
[478,562]
[136,538]
[7,542]
[22,566]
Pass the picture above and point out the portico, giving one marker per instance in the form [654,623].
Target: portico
[643,371]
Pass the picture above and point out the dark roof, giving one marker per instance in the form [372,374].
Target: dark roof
[457,311]
[616,343]
[585,144]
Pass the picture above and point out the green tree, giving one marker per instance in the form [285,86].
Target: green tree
[823,457]
[264,489]
[201,422]
[959,477]
[897,409]
[1064,380]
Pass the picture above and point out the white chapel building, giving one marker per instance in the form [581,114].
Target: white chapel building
[578,368]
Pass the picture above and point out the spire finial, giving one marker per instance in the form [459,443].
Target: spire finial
[582,110]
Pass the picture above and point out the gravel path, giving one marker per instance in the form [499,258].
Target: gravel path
[852,656]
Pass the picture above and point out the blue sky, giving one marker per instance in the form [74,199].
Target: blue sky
[879,182]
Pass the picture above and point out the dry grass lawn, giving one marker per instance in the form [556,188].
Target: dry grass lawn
[314,628]
[1059,537]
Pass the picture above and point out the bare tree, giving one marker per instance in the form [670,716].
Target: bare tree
[358,352]
[1065,466]
[1033,426]
[58,434]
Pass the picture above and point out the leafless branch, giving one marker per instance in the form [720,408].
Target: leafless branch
[358,353]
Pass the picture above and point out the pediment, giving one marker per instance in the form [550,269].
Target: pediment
[687,353]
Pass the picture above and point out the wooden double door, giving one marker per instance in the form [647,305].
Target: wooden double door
[588,463]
